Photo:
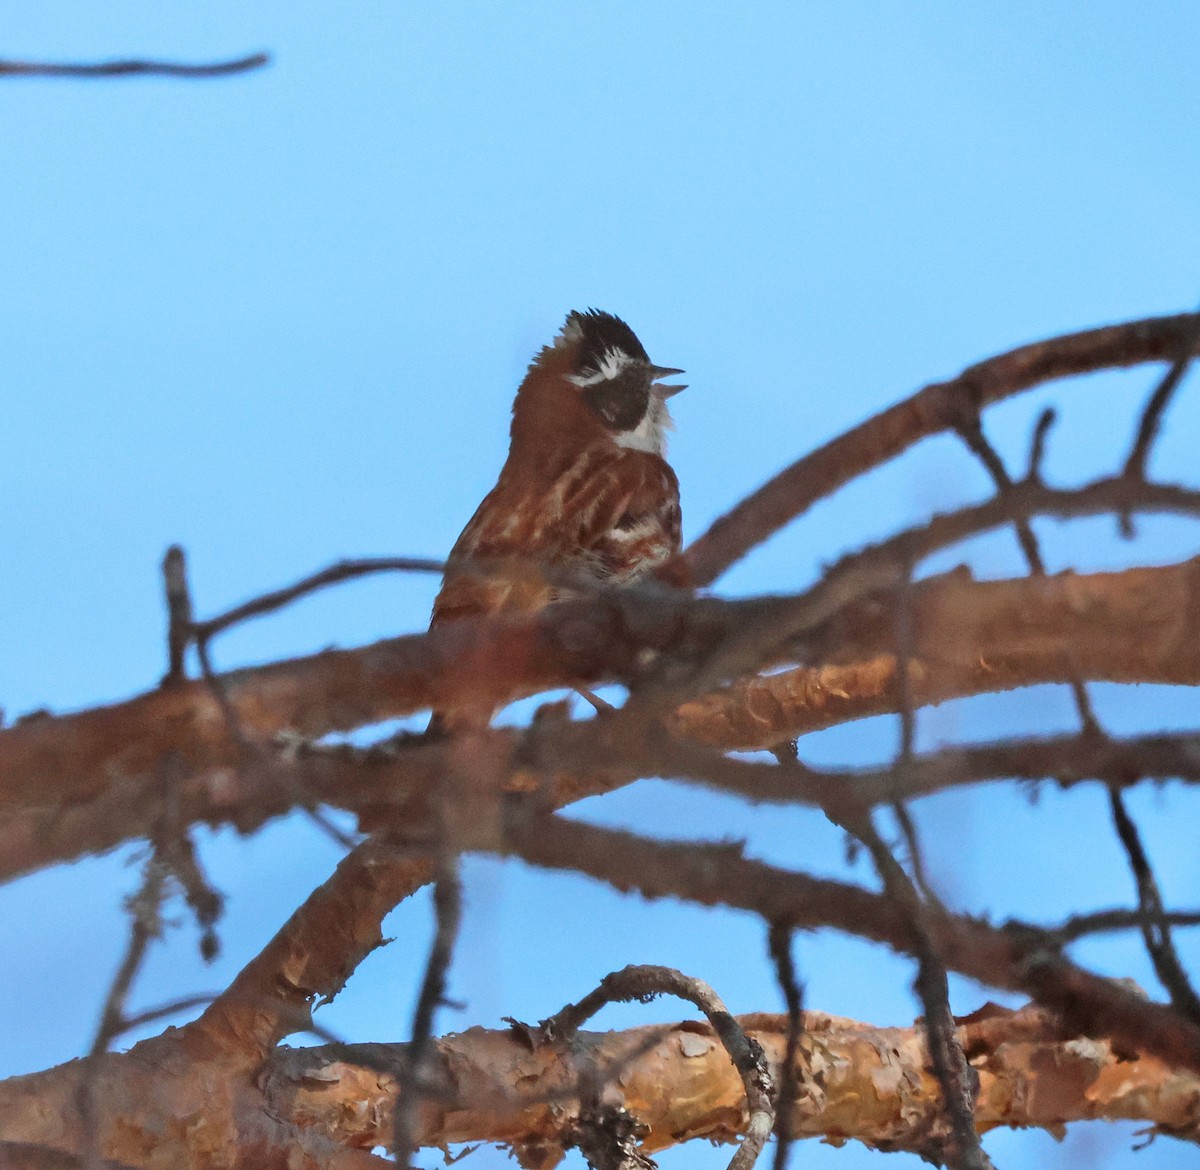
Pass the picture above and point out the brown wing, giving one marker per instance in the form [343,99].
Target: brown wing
[613,515]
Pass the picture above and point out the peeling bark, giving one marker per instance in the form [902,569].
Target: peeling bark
[167,1102]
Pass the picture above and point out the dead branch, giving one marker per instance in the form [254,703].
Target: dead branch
[936,408]
[854,1081]
[133,68]
[81,783]
[643,983]
[1017,958]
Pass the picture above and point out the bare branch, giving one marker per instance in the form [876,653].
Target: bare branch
[1156,405]
[643,983]
[1015,958]
[447,902]
[133,68]
[958,1082]
[1155,932]
[936,408]
[179,613]
[972,434]
[1037,444]
[335,574]
[779,943]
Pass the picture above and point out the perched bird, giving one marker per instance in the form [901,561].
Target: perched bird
[586,491]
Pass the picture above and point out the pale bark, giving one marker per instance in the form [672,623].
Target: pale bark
[168,1103]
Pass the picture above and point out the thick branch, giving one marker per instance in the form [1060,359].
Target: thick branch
[1140,625]
[328,1106]
[968,638]
[481,662]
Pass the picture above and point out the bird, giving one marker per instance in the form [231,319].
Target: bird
[586,492]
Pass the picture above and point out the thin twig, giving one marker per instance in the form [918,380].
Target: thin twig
[1148,424]
[1156,933]
[955,1076]
[1151,418]
[332,575]
[172,1008]
[1106,921]
[902,631]
[644,983]
[172,844]
[414,1081]
[220,696]
[972,434]
[133,68]
[779,943]
[146,925]
[1037,444]
[971,431]
[179,613]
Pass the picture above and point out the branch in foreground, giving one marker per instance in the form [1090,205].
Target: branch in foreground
[961,1149]
[328,1106]
[1141,625]
[79,783]
[133,68]
[969,638]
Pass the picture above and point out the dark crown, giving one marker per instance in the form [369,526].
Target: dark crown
[601,332]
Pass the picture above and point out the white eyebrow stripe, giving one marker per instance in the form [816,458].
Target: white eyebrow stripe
[611,364]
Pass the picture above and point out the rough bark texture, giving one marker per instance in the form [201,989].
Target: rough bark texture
[168,1103]
[83,783]
[220,1092]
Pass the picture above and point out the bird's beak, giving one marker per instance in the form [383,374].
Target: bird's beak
[665,390]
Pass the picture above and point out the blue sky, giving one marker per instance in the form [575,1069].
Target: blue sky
[280,318]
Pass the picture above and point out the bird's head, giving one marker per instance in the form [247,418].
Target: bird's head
[596,377]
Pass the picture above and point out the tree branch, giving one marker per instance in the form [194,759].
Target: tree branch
[938,407]
[133,68]
[1015,958]
[329,1105]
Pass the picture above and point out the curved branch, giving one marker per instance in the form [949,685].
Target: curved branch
[938,407]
